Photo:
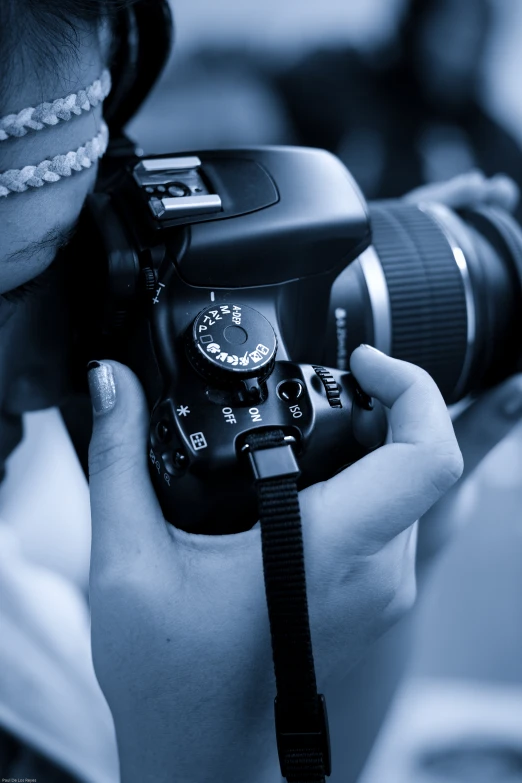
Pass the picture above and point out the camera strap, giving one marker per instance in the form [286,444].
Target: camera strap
[301,721]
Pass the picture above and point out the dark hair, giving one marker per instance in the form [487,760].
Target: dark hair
[45,32]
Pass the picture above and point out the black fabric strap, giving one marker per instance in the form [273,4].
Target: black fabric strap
[300,712]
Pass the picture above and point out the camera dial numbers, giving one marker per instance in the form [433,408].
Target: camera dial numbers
[229,343]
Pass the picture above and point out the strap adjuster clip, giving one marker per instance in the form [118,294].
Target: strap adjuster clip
[273,461]
[291,741]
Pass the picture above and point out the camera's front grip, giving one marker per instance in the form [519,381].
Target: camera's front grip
[199,467]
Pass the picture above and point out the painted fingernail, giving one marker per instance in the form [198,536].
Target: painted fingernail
[101,386]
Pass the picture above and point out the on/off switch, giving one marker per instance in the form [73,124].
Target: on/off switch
[290,391]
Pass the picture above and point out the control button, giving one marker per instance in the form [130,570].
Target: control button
[363,399]
[331,387]
[290,391]
[163,431]
[175,462]
[148,279]
[360,397]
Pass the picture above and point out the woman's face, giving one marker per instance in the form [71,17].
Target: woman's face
[33,226]
[35,223]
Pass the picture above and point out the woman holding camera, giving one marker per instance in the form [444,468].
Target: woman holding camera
[180,633]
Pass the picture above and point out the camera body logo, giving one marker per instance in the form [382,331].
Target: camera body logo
[340,331]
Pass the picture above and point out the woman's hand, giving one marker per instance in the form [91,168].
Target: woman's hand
[180,630]
[472,189]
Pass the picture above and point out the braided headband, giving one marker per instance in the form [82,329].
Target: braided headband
[18,180]
[36,118]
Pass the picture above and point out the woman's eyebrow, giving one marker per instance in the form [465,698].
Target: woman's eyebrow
[54,238]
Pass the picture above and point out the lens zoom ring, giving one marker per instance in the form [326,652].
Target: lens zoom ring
[426,290]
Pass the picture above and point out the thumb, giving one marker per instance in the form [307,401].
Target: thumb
[124,508]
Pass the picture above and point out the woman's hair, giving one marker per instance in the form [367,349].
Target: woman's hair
[41,34]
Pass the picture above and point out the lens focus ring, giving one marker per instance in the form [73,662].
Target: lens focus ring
[426,290]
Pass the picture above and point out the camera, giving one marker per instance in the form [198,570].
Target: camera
[236,284]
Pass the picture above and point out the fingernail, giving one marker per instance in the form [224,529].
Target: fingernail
[101,386]
[371,348]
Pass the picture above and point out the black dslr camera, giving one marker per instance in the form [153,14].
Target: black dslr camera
[237,283]
[219,268]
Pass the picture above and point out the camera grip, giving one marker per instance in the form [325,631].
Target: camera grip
[197,434]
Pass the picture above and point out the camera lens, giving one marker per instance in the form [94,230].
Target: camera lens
[441,290]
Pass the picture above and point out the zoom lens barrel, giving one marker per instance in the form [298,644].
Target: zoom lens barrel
[426,290]
[438,289]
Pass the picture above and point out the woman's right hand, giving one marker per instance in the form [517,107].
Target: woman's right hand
[180,630]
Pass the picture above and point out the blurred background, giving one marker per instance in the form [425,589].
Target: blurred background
[406,92]
[358,78]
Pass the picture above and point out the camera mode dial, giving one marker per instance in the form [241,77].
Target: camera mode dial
[230,343]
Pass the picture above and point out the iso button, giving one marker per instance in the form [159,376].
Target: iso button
[290,390]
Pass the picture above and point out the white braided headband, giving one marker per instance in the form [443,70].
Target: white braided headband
[38,117]
[18,180]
